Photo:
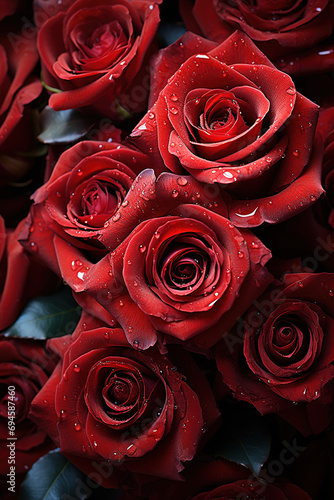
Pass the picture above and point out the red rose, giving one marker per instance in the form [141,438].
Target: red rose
[21,277]
[179,266]
[86,189]
[96,52]
[24,369]
[116,409]
[281,29]
[282,358]
[227,115]
[18,88]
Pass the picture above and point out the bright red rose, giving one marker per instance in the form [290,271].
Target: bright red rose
[21,276]
[25,367]
[96,54]
[281,359]
[227,115]
[282,29]
[116,409]
[18,89]
[179,266]
[87,188]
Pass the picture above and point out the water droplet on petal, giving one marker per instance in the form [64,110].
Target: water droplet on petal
[77,427]
[33,246]
[241,255]
[174,98]
[291,91]
[116,217]
[174,111]
[76,368]
[131,449]
[182,181]
[175,193]
[296,153]
[331,293]
[142,248]
[151,115]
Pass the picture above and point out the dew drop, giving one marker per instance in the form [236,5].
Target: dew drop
[77,427]
[142,248]
[65,376]
[79,172]
[296,153]
[291,91]
[121,303]
[33,246]
[63,414]
[174,98]
[84,449]
[76,368]
[175,193]
[151,115]
[131,449]
[182,181]
[125,203]
[116,217]
[240,255]
[174,111]
[331,293]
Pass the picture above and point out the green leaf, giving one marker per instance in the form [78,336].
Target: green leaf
[62,127]
[53,477]
[48,316]
[245,438]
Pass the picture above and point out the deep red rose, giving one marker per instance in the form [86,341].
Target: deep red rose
[228,116]
[21,276]
[282,29]
[25,367]
[96,54]
[179,266]
[124,410]
[87,188]
[281,359]
[18,89]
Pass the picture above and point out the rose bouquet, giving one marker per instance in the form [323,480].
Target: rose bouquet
[166,249]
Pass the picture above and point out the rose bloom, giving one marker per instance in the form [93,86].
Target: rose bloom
[121,411]
[227,115]
[18,89]
[87,187]
[281,358]
[96,54]
[179,266]
[22,277]
[282,29]
[26,366]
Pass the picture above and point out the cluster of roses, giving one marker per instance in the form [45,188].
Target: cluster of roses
[191,214]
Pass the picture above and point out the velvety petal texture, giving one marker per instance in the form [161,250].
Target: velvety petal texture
[281,359]
[132,411]
[228,116]
[22,276]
